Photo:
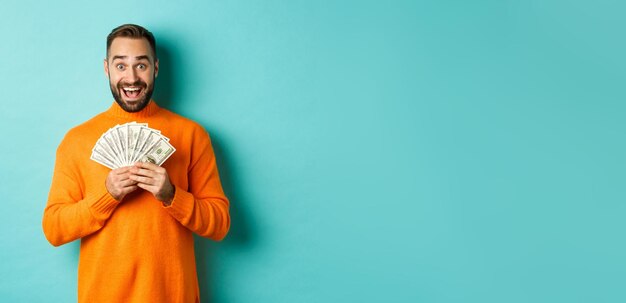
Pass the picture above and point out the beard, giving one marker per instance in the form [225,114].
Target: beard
[137,105]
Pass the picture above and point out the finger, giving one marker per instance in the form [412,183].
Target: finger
[121,170]
[143,180]
[129,189]
[143,172]
[120,178]
[150,188]
[149,169]
[146,165]
[126,183]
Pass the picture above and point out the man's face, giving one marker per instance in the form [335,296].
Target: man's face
[131,70]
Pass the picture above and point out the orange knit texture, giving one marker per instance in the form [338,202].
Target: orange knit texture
[136,250]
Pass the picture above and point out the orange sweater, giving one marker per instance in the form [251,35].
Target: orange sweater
[136,250]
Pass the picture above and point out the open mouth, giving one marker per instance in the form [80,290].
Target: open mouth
[132,92]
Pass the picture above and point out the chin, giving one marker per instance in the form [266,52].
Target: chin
[133,106]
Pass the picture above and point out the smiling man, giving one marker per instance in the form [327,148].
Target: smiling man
[136,223]
[131,67]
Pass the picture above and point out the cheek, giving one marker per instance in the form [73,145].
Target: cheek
[114,77]
[148,78]
[114,81]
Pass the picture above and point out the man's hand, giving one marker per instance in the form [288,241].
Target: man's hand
[154,179]
[118,183]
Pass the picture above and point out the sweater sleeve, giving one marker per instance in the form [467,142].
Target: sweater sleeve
[204,208]
[70,215]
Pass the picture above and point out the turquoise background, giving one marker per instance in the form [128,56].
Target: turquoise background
[401,151]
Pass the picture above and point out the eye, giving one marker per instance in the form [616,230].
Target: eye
[141,66]
[120,66]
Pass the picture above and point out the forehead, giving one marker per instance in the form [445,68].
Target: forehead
[130,47]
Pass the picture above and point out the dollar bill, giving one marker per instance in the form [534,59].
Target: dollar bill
[102,160]
[126,144]
[159,152]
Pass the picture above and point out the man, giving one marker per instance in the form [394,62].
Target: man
[136,222]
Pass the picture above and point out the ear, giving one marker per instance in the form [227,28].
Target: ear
[156,68]
[106,68]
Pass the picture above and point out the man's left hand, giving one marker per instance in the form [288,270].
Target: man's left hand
[154,179]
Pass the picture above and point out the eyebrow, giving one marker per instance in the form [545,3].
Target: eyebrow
[142,57]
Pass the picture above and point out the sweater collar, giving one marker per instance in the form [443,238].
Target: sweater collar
[117,111]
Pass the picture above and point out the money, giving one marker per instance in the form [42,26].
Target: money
[126,144]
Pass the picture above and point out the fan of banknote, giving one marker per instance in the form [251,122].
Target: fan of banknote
[126,144]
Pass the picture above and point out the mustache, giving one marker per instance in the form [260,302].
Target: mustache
[136,83]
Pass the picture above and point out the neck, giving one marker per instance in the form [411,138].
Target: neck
[117,111]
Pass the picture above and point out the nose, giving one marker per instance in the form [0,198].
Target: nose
[132,75]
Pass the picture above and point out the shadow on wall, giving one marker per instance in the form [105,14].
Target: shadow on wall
[240,236]
[164,86]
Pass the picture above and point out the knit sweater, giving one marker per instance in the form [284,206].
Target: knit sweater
[136,249]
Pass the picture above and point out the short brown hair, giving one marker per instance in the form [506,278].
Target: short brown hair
[132,31]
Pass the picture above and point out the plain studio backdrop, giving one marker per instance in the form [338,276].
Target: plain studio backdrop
[399,151]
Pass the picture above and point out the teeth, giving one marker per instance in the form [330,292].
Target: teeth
[131,89]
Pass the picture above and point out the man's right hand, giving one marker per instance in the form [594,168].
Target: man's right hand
[118,184]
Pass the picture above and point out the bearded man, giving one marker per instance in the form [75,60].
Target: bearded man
[136,223]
